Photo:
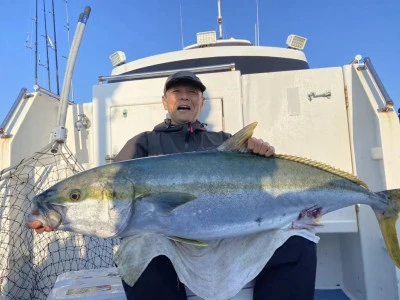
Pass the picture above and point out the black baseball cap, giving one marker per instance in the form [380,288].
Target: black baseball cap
[184,77]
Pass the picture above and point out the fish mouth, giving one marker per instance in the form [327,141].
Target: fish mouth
[52,214]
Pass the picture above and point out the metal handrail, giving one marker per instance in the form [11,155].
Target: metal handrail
[41,90]
[143,75]
[388,101]
[22,95]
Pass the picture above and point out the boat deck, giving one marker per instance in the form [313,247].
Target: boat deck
[106,284]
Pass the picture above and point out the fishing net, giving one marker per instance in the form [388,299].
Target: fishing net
[29,262]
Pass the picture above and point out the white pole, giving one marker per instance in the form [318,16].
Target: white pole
[60,131]
[220,20]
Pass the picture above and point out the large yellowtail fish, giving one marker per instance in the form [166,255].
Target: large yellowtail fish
[200,196]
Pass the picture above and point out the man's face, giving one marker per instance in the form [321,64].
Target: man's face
[183,103]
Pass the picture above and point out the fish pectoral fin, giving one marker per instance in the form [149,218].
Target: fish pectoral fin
[238,142]
[165,203]
[188,241]
[308,218]
[302,225]
[317,221]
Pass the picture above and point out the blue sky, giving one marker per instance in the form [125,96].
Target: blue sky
[336,31]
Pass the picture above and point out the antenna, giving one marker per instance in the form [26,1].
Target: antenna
[55,47]
[255,34]
[28,41]
[36,45]
[47,45]
[67,25]
[180,13]
[257,41]
[220,20]
[69,45]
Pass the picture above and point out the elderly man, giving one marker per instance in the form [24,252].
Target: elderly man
[283,262]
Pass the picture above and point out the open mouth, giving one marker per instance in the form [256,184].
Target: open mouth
[184,108]
[51,214]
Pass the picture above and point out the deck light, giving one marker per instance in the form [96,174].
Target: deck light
[206,38]
[296,42]
[118,58]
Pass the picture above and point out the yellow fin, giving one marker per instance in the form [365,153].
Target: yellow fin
[324,167]
[387,222]
[389,232]
[238,142]
[187,241]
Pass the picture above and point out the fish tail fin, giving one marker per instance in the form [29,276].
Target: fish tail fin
[387,222]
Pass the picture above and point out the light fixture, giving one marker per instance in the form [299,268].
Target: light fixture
[206,38]
[118,58]
[296,42]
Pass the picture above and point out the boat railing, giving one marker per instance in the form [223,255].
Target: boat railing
[23,94]
[46,92]
[369,66]
[146,75]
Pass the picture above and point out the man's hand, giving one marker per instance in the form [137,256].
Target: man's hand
[38,225]
[258,146]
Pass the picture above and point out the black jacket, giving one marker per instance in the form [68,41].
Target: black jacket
[170,139]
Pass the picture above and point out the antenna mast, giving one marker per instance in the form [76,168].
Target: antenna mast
[257,27]
[47,44]
[180,13]
[36,44]
[55,47]
[69,45]
[220,20]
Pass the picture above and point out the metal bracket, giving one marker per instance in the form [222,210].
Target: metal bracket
[388,107]
[60,134]
[82,122]
[3,134]
[312,95]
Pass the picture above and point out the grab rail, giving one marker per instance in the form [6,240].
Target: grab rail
[22,95]
[388,101]
[126,77]
[48,93]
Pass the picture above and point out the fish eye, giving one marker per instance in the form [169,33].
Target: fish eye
[75,195]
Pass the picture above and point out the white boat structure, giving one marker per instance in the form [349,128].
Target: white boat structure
[339,115]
